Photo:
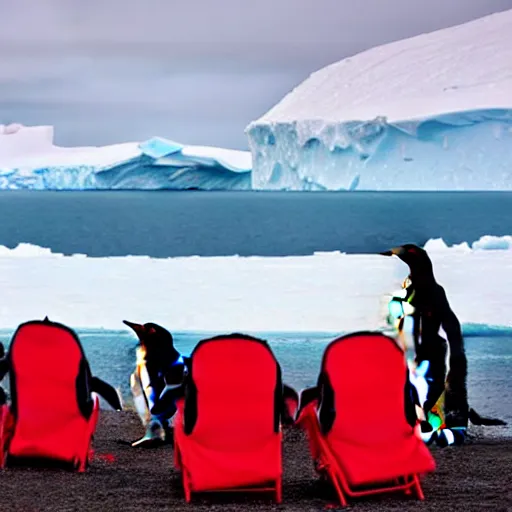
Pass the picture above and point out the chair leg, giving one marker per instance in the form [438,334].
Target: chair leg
[186,486]
[3,454]
[88,449]
[339,491]
[279,490]
[6,432]
[419,490]
[2,440]
[83,461]
[177,457]
[87,454]
[82,465]
[408,490]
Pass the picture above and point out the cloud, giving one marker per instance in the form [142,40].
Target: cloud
[159,64]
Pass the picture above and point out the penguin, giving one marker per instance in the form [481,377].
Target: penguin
[160,379]
[431,311]
[159,367]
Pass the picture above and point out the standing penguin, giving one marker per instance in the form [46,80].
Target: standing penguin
[158,365]
[431,312]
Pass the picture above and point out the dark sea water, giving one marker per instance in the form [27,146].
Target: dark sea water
[112,357]
[164,224]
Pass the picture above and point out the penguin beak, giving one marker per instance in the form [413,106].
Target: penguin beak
[138,328]
[396,251]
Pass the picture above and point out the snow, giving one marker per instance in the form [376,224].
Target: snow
[31,147]
[324,292]
[466,67]
[29,159]
[429,112]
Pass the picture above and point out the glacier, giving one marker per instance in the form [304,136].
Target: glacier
[432,112]
[30,160]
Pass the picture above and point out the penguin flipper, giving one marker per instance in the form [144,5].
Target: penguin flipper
[167,398]
[290,405]
[290,393]
[4,367]
[476,419]
[107,392]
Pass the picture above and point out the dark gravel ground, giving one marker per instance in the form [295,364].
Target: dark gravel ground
[475,477]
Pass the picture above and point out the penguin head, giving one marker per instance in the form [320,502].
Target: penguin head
[415,258]
[152,337]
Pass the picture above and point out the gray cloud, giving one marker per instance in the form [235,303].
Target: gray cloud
[198,71]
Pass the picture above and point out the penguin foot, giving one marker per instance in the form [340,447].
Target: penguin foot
[451,437]
[154,436]
[169,434]
[427,433]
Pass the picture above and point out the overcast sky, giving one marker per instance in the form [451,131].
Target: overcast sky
[197,71]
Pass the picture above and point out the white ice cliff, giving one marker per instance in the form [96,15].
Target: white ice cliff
[30,160]
[433,112]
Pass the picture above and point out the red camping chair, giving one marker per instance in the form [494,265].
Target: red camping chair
[227,430]
[360,436]
[52,415]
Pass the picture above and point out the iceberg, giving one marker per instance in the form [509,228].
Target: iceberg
[317,293]
[30,160]
[432,112]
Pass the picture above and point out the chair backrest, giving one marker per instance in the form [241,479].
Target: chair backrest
[49,378]
[364,388]
[234,391]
